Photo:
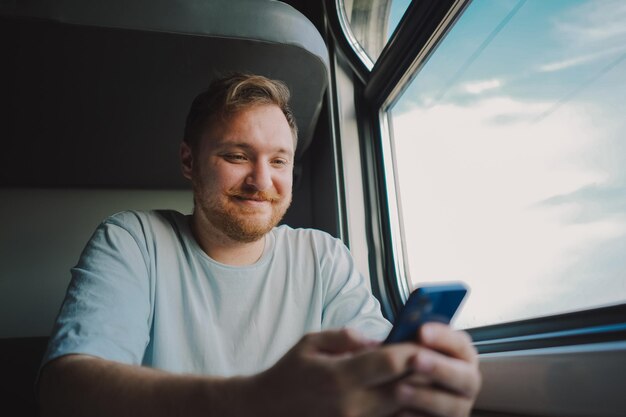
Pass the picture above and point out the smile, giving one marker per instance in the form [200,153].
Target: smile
[252,200]
[258,197]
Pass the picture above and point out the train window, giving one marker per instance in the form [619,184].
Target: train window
[491,140]
[509,156]
[370,24]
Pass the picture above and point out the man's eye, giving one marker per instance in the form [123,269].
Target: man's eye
[235,157]
[280,162]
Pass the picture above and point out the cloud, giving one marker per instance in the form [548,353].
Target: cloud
[593,202]
[580,60]
[485,202]
[594,22]
[479,87]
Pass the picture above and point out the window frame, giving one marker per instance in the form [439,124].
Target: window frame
[550,352]
[422,24]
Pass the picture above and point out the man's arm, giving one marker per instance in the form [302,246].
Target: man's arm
[81,385]
[332,373]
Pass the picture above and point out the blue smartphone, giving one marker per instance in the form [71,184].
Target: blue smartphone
[437,302]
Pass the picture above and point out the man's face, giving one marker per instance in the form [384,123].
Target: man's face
[242,173]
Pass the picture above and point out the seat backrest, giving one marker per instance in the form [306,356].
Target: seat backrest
[19,362]
[90,82]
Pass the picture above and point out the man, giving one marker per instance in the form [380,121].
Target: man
[222,313]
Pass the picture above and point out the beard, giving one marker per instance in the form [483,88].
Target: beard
[241,224]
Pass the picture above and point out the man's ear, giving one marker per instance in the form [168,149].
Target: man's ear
[186,159]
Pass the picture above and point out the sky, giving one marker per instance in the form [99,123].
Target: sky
[510,148]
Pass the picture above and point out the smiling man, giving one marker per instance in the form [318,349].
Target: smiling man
[241,173]
[225,313]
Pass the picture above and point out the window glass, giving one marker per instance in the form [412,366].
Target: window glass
[510,159]
[372,22]
[396,11]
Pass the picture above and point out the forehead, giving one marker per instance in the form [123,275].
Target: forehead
[261,126]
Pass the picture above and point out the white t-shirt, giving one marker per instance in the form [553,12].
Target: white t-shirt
[144,292]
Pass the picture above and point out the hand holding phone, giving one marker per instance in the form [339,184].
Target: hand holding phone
[436,302]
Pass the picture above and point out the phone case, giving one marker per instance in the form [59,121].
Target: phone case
[428,303]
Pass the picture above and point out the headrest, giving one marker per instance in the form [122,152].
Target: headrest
[98,91]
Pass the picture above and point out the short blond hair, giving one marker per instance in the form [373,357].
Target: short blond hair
[231,94]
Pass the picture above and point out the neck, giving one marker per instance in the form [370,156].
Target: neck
[222,248]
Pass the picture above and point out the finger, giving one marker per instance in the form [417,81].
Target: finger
[337,341]
[455,375]
[380,366]
[444,339]
[417,379]
[376,401]
[432,402]
[409,413]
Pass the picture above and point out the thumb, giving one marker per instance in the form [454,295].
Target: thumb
[338,341]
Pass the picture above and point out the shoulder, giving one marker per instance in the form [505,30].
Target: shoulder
[145,226]
[134,220]
[305,235]
[137,234]
[312,242]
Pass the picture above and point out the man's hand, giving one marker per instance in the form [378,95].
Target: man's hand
[448,380]
[337,373]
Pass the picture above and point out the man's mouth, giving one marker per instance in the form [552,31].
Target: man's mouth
[260,197]
[244,198]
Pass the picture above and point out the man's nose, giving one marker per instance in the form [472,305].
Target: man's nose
[260,177]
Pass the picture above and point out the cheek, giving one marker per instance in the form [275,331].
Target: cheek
[284,183]
[218,177]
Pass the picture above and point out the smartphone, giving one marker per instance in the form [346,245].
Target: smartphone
[437,302]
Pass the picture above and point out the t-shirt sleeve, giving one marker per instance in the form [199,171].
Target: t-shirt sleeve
[107,308]
[349,301]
